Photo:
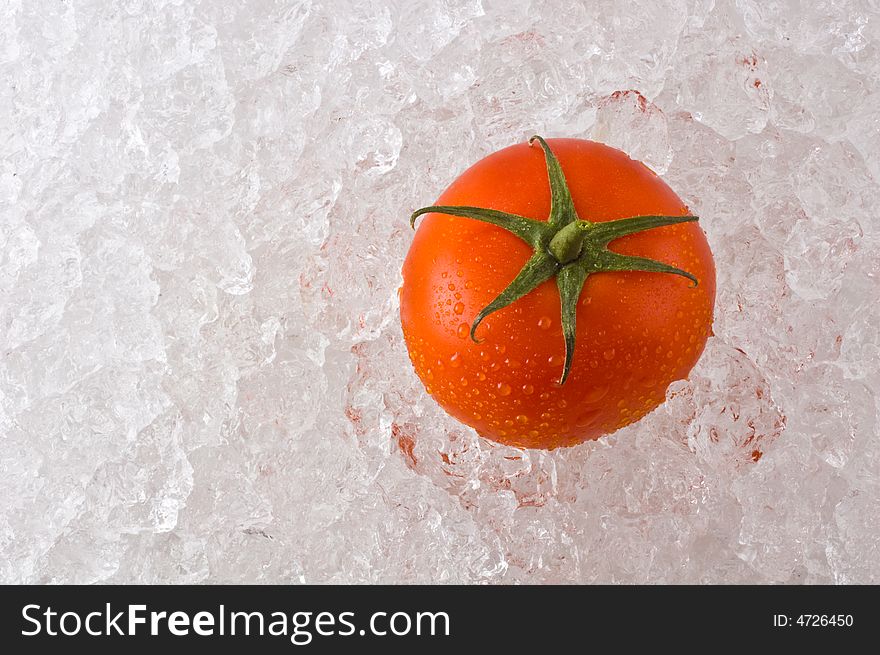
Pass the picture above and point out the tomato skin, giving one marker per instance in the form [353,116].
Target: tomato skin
[636,332]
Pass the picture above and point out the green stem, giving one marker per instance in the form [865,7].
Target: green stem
[565,247]
[567,244]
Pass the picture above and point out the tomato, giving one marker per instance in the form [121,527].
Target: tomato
[632,326]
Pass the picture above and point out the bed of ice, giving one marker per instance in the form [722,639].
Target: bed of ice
[204,211]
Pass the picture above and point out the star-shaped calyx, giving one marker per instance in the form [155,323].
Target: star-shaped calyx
[566,247]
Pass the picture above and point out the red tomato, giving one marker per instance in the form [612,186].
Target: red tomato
[635,331]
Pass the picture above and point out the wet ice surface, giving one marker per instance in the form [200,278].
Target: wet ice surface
[204,212]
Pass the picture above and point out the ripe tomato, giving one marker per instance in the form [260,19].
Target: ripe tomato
[632,332]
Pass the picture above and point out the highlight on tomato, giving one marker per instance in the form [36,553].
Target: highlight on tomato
[553,293]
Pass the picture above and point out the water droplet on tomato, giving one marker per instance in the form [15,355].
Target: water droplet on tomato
[451,286]
[481,376]
[512,363]
[463,331]
[562,404]
[463,382]
[459,308]
[595,395]
[588,417]
[522,419]
[609,354]
[544,322]
[528,389]
[455,360]
[503,389]
[555,360]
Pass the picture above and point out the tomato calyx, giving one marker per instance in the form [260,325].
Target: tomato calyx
[565,247]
